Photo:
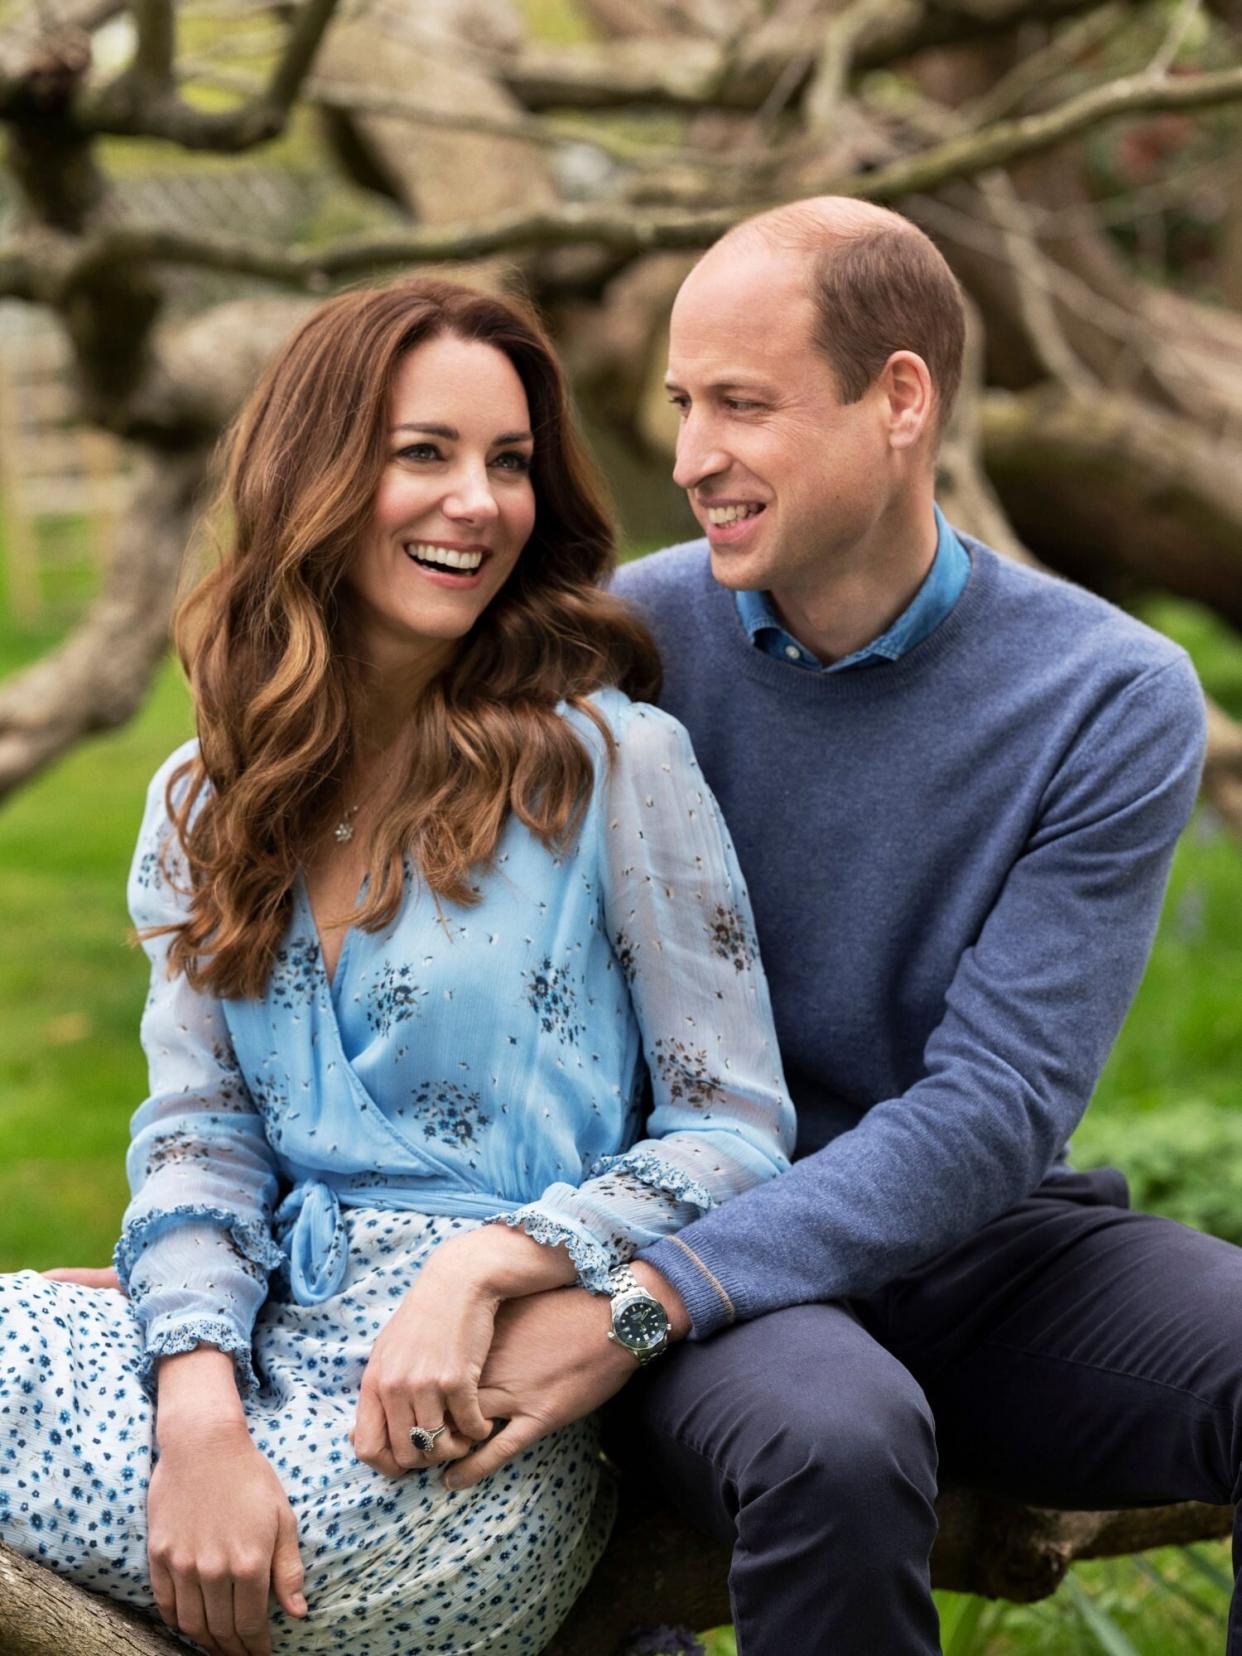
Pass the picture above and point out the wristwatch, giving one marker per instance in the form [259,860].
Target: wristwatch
[639,1322]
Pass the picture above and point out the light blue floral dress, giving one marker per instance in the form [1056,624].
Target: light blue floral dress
[301,1154]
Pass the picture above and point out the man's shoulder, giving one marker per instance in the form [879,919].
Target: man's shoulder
[663,577]
[1056,618]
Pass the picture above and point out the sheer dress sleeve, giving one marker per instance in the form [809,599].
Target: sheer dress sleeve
[680,926]
[196,1242]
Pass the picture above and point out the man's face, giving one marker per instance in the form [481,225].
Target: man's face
[785,479]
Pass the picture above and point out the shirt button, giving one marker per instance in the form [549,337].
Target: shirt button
[793,652]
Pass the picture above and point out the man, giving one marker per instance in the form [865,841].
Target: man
[954,787]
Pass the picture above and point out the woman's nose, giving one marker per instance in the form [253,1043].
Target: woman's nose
[471,497]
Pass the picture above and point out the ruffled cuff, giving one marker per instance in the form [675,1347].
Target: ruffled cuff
[592,1260]
[656,1173]
[250,1236]
[168,1339]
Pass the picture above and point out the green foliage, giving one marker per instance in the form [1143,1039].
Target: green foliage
[1184,1161]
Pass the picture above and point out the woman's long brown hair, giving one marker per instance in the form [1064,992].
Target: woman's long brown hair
[275,690]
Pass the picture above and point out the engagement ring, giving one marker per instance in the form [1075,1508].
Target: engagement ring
[425,1440]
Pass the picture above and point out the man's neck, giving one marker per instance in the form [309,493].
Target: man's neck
[855,602]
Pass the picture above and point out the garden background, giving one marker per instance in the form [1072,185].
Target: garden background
[1164,190]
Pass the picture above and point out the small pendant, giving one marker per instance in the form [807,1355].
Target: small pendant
[344,831]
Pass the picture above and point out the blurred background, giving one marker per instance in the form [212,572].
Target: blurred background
[181,181]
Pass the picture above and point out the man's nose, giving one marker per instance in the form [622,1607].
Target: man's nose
[470,496]
[698,456]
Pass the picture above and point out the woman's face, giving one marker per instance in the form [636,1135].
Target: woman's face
[455,505]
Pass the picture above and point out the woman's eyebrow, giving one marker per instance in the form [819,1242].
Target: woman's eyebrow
[452,435]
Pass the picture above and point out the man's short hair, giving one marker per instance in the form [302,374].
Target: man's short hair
[879,285]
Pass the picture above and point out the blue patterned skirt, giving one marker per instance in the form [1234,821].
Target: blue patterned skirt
[392,1566]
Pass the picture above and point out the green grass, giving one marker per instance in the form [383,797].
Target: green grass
[71,1070]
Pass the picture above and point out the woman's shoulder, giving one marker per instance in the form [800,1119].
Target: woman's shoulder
[644,734]
[156,811]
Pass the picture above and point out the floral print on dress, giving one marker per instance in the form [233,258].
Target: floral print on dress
[295,974]
[731,937]
[685,1072]
[393,998]
[624,948]
[451,1112]
[552,995]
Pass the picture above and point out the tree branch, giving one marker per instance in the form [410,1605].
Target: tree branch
[97,677]
[702,74]
[126,107]
[620,230]
[1010,141]
[153,56]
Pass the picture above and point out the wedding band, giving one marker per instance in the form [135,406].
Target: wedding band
[424,1440]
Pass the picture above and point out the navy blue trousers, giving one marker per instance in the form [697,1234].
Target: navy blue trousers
[1073,1353]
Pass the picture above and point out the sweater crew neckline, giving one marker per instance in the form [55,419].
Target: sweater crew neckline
[859,684]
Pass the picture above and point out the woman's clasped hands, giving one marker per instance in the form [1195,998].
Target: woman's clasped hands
[425,1367]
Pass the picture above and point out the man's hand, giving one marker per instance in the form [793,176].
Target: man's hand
[425,1365]
[551,1363]
[87,1276]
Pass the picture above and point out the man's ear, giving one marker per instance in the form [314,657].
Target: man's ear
[910,398]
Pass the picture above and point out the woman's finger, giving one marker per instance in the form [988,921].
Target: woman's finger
[467,1417]
[165,1592]
[191,1617]
[287,1572]
[370,1433]
[250,1612]
[431,1411]
[216,1585]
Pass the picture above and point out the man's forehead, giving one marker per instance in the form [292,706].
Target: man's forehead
[743,311]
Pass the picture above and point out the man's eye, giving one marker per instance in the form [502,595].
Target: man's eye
[680,403]
[738,404]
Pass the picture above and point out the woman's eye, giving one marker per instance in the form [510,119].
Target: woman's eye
[419,451]
[513,461]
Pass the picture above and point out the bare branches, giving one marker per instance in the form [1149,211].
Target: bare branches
[619,230]
[702,74]
[130,106]
[299,53]
[843,33]
[153,57]
[1009,141]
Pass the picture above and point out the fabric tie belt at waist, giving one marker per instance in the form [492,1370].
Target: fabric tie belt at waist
[312,1232]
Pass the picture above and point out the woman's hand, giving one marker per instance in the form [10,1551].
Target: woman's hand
[425,1366]
[220,1531]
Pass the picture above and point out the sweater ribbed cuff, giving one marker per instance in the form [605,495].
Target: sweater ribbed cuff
[706,1298]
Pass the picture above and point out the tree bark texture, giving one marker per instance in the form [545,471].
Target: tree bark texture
[659,1572]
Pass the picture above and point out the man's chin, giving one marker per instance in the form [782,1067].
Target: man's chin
[739,571]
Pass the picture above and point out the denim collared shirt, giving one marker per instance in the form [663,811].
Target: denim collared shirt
[926,610]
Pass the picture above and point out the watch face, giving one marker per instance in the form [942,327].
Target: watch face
[642,1323]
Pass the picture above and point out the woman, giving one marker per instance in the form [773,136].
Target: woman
[418,902]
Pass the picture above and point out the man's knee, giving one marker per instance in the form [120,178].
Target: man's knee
[801,1405]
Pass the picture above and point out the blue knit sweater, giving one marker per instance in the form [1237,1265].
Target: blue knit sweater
[956,864]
